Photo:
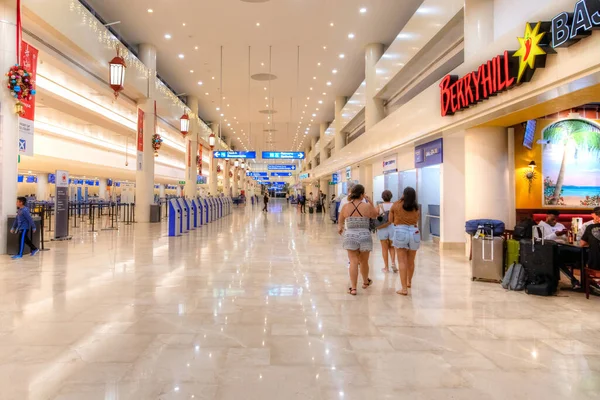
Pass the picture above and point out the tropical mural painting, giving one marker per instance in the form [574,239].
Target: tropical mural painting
[571,163]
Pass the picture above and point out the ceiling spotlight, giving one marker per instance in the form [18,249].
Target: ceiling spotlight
[363,10]
[320,101]
[314,77]
[319,64]
[328,83]
[183,24]
[213,78]
[331,24]
[200,83]
[258,24]
[324,94]
[181,56]
[167,36]
[218,108]
[195,47]
[334,71]
[206,93]
[342,55]
[191,71]
[262,64]
[310,89]
[324,47]
[150,11]
[314,115]
[351,36]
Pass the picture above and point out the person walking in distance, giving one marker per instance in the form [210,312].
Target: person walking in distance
[23,223]
[302,203]
[266,201]
[405,215]
[385,233]
[353,225]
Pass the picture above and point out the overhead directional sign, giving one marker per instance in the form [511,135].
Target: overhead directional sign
[234,154]
[283,155]
[254,174]
[282,167]
[277,183]
[281,174]
[304,176]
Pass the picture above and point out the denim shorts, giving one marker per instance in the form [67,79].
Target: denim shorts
[406,237]
[386,233]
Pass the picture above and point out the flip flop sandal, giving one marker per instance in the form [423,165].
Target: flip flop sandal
[352,291]
[367,284]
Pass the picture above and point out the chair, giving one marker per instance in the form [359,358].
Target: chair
[591,276]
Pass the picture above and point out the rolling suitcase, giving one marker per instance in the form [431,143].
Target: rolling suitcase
[539,260]
[512,252]
[311,210]
[487,262]
[319,208]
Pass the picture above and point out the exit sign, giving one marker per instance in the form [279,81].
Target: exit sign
[182,182]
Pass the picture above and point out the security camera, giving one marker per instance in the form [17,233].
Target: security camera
[543,141]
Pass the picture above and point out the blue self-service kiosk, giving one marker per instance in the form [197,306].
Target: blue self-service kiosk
[197,213]
[185,215]
[174,218]
[213,209]
[209,209]
[220,206]
[191,214]
[228,205]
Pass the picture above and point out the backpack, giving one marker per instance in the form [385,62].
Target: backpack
[515,278]
[524,229]
[381,219]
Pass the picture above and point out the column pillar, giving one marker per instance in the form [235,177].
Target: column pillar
[144,177]
[309,165]
[213,178]
[487,193]
[479,26]
[340,137]
[323,150]
[226,178]
[9,140]
[191,170]
[313,145]
[102,189]
[41,190]
[235,191]
[374,110]
[161,192]
[452,192]
[365,178]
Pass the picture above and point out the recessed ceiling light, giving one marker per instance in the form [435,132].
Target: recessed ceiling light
[363,10]
[200,83]
[222,115]
[318,64]
[191,71]
[314,115]
[206,93]
[308,98]
[258,24]
[218,108]
[328,83]
[351,36]
[331,24]
[181,56]
[342,55]
[227,105]
[167,36]
[310,88]
[324,94]
[334,71]
[213,78]
[150,11]
[195,47]
[314,77]
[320,101]
[324,47]
[183,24]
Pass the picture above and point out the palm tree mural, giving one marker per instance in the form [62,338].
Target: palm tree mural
[577,134]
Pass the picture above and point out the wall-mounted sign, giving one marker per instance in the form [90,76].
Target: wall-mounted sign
[254,174]
[281,167]
[61,213]
[512,68]
[234,154]
[390,165]
[305,175]
[279,155]
[140,140]
[348,173]
[29,57]
[429,154]
[335,179]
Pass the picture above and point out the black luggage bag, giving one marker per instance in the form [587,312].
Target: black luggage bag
[319,208]
[539,260]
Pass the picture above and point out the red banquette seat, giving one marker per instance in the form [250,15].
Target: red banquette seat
[564,219]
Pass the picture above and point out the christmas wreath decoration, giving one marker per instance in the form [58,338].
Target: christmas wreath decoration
[230,174]
[20,86]
[156,143]
[218,169]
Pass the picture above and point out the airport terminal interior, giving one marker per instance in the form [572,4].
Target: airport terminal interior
[299,199]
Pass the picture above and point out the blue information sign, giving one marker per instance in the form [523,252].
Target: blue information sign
[281,174]
[234,154]
[254,174]
[279,155]
[282,167]
[277,183]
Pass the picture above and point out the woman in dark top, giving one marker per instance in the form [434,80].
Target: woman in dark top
[266,200]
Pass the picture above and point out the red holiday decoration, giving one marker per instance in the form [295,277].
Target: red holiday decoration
[20,86]
[116,73]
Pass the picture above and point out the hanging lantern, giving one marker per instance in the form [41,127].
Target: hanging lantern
[212,140]
[236,163]
[117,74]
[243,165]
[185,124]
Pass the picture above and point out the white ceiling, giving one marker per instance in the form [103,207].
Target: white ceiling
[285,26]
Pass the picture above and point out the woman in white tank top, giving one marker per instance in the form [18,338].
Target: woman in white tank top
[385,233]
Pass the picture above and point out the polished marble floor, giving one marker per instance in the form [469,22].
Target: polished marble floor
[254,306]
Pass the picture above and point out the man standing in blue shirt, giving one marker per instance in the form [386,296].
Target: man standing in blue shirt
[22,224]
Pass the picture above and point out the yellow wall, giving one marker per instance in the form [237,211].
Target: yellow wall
[523,156]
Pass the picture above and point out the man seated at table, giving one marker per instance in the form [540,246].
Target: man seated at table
[551,229]
[591,238]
